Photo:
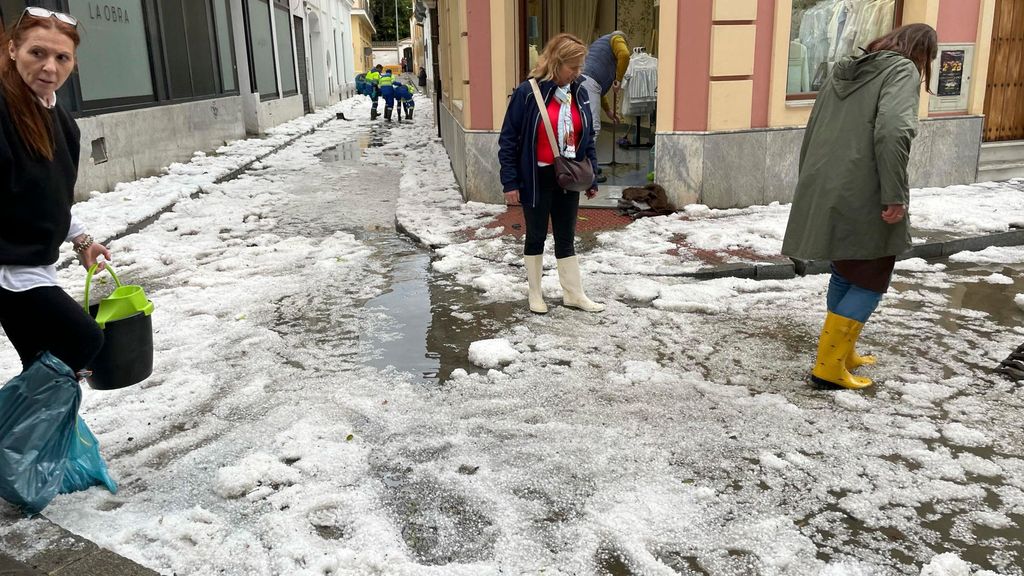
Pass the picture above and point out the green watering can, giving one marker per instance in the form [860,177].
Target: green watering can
[124,316]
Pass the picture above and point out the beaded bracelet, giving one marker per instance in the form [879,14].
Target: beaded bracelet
[81,247]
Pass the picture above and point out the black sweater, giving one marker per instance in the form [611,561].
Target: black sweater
[36,194]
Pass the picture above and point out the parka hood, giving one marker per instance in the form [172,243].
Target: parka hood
[850,73]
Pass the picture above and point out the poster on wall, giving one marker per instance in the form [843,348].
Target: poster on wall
[951,78]
[951,73]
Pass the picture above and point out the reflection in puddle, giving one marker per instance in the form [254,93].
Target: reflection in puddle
[347,152]
[432,320]
[970,292]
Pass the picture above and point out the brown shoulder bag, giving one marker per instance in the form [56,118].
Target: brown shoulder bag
[570,173]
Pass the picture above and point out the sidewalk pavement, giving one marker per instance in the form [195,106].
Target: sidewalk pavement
[742,262]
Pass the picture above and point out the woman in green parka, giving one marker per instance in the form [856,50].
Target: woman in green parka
[850,205]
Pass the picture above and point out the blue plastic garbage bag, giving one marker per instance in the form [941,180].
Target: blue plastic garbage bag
[85,467]
[39,430]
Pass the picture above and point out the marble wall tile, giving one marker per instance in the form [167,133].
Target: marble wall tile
[483,179]
[920,156]
[734,169]
[731,169]
[953,145]
[455,143]
[679,166]
[782,164]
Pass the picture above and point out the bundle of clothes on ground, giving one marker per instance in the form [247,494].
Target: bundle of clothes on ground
[649,200]
[1013,366]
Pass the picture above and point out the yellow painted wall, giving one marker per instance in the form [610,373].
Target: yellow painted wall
[732,49]
[926,12]
[668,37]
[729,104]
[781,113]
[742,10]
[976,101]
[453,57]
[362,36]
[504,40]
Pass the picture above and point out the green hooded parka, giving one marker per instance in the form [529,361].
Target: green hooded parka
[853,162]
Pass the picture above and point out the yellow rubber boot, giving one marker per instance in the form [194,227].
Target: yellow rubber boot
[834,346]
[855,360]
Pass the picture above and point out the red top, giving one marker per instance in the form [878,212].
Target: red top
[544,154]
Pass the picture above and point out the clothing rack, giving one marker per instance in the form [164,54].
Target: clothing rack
[615,106]
[636,125]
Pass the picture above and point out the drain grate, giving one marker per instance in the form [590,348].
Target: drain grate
[1013,366]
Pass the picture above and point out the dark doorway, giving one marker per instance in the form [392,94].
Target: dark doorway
[300,52]
[435,39]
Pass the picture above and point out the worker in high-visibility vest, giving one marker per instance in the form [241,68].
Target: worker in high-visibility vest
[373,80]
[387,90]
[403,95]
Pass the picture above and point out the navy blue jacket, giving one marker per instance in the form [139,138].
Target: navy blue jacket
[517,144]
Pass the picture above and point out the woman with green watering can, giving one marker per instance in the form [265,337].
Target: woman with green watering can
[39,145]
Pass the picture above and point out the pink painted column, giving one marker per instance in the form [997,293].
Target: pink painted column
[763,45]
[478,25]
[693,65]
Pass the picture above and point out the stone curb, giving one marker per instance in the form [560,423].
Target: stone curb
[66,555]
[929,250]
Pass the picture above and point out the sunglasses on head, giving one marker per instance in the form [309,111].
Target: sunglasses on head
[44,13]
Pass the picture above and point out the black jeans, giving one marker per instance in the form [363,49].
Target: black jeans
[554,204]
[47,319]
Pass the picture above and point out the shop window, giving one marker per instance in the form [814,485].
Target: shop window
[587,20]
[285,50]
[199,35]
[9,11]
[188,44]
[112,27]
[262,48]
[535,33]
[172,22]
[225,47]
[825,31]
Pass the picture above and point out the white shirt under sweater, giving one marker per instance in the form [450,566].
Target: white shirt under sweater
[21,278]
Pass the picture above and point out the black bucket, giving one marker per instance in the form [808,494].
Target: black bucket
[127,354]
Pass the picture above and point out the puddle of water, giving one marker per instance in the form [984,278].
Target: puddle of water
[433,320]
[996,300]
[347,152]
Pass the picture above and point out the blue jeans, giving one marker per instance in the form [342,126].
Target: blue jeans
[849,300]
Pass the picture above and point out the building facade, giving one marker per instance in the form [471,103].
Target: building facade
[736,81]
[195,73]
[362,35]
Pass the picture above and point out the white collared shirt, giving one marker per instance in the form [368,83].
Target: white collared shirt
[21,278]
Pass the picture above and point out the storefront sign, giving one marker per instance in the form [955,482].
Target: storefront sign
[112,27]
[108,12]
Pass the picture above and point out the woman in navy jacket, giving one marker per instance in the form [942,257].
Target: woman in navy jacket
[527,171]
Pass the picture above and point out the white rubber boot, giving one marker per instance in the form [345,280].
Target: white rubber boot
[572,287]
[534,272]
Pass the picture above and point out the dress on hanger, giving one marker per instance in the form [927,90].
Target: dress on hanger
[799,77]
